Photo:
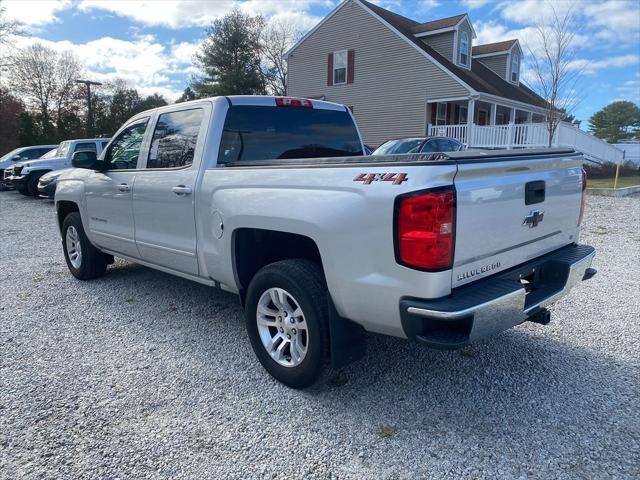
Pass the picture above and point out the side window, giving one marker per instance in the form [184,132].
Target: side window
[103,145]
[123,152]
[429,146]
[444,145]
[31,154]
[174,139]
[85,147]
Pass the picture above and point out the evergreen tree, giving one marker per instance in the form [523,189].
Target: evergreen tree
[230,57]
[616,121]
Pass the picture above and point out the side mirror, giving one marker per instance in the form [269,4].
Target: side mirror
[87,159]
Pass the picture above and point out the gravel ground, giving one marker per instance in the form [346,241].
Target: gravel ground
[144,375]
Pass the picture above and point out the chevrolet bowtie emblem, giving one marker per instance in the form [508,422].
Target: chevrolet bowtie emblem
[533,218]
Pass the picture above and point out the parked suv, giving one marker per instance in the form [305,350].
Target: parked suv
[20,155]
[25,175]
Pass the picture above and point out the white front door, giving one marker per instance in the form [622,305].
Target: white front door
[164,191]
[109,193]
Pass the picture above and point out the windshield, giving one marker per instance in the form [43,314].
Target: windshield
[10,154]
[398,146]
[50,154]
[268,133]
[63,149]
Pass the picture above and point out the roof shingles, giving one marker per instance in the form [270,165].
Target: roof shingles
[479,78]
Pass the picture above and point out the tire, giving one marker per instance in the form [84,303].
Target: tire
[304,284]
[24,190]
[32,183]
[91,262]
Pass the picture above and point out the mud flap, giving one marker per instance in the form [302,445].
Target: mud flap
[347,339]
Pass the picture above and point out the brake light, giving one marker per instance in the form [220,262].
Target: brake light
[583,201]
[425,229]
[293,102]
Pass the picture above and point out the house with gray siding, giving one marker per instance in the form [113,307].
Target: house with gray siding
[404,78]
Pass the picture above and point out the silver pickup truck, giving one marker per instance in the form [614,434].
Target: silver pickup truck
[272,198]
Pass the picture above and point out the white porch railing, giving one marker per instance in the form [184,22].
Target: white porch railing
[529,135]
[566,135]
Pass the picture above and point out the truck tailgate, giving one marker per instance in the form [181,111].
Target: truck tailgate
[512,210]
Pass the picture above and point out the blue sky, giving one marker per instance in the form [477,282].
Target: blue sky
[150,44]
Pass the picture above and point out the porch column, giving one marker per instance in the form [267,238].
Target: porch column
[470,116]
[512,120]
[494,108]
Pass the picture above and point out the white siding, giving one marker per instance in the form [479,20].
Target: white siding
[392,80]
[496,63]
[441,43]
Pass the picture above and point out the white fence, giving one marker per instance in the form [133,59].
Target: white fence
[529,135]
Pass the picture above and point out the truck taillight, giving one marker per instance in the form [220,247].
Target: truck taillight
[583,202]
[425,229]
[293,102]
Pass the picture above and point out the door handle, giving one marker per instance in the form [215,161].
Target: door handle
[123,187]
[181,190]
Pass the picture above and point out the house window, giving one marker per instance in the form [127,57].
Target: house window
[339,67]
[515,67]
[441,114]
[464,49]
[462,117]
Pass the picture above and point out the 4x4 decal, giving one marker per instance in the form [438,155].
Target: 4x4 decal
[368,178]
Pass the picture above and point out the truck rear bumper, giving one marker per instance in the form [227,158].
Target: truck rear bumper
[492,305]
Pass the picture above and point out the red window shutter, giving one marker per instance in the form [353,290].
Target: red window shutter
[350,58]
[330,69]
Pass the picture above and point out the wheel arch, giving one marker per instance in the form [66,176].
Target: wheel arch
[254,248]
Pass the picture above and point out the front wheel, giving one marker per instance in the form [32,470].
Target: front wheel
[287,320]
[32,183]
[83,259]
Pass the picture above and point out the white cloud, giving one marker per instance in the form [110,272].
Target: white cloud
[615,20]
[34,12]
[473,4]
[193,13]
[620,61]
[630,90]
[143,63]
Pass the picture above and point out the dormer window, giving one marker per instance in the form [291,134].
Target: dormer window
[515,67]
[464,49]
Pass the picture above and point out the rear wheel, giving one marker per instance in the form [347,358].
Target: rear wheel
[83,259]
[287,320]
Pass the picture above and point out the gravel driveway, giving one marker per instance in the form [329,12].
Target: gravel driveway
[144,375]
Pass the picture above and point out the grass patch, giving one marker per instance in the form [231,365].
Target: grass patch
[608,182]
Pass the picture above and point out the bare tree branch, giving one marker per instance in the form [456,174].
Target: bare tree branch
[276,39]
[556,72]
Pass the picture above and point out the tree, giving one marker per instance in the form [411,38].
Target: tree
[187,95]
[10,110]
[616,121]
[555,69]
[230,57]
[152,101]
[276,39]
[46,81]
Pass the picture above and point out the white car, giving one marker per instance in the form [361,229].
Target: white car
[272,198]
[24,176]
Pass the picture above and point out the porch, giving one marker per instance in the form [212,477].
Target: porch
[466,118]
[479,123]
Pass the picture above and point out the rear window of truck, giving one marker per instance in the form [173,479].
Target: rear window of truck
[268,133]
